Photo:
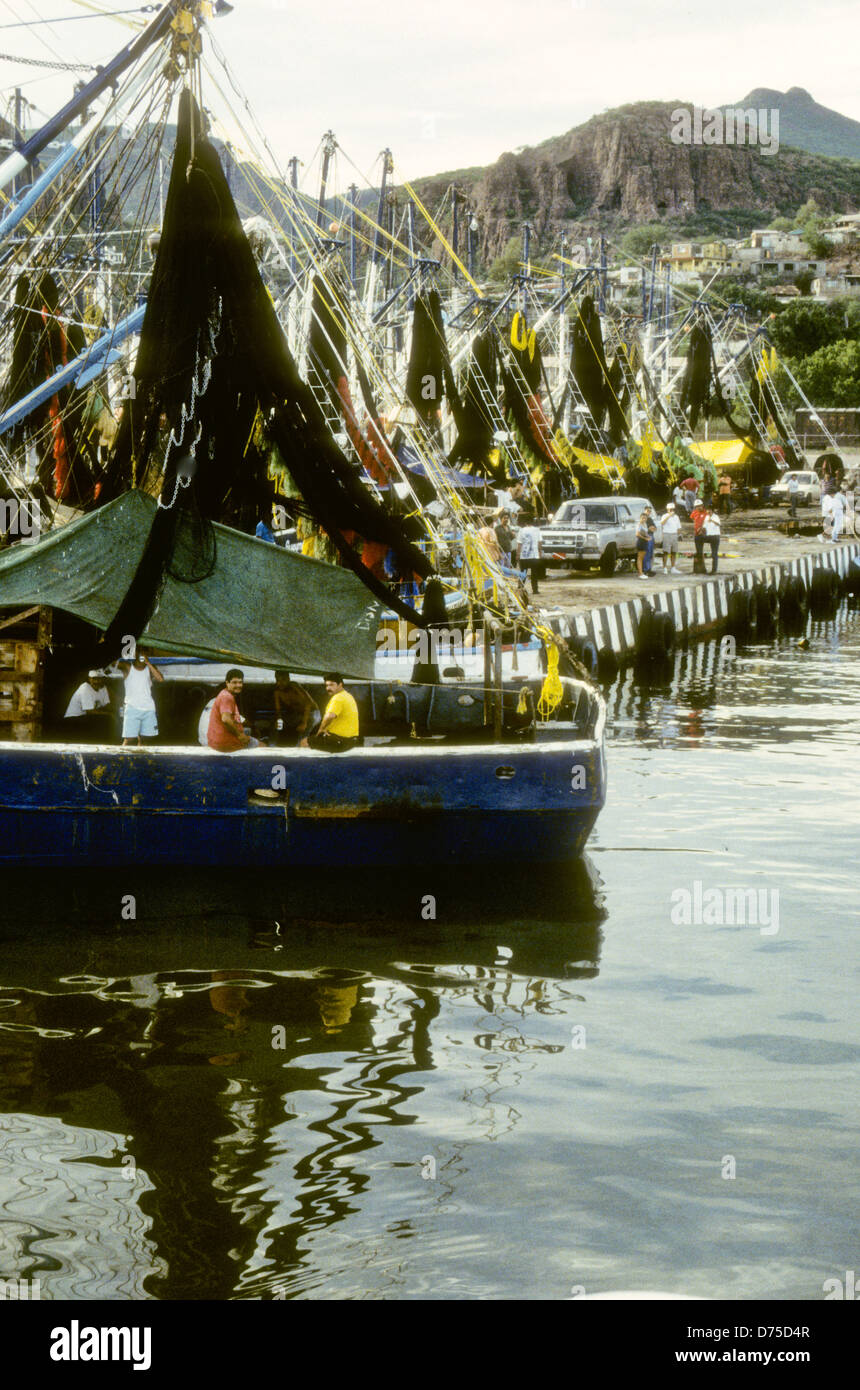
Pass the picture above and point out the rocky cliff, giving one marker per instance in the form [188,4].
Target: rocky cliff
[622,168]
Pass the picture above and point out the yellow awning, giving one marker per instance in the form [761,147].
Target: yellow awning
[723,453]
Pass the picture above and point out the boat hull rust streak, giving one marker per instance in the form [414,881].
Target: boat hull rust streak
[101,806]
[698,610]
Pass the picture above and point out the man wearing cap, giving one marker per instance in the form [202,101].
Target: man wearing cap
[88,717]
[671,527]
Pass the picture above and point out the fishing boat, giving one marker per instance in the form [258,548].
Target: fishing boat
[159,552]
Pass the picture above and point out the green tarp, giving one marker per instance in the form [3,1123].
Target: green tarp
[262,605]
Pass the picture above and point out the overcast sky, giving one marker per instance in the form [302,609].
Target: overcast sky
[449,84]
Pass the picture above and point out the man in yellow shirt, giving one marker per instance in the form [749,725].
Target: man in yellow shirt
[339,727]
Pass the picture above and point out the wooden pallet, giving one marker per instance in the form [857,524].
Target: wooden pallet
[25,635]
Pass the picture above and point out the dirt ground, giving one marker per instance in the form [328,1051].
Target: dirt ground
[750,539]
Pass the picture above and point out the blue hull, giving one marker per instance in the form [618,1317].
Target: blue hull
[85,806]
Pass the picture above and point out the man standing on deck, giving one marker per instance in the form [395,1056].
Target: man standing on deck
[339,728]
[792,486]
[226,725]
[139,719]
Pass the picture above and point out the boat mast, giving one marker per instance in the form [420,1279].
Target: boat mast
[18,160]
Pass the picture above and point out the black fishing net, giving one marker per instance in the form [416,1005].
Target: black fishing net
[67,467]
[213,365]
[476,430]
[588,360]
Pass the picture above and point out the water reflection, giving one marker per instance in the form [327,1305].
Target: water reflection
[215,1120]
[709,690]
[258,1087]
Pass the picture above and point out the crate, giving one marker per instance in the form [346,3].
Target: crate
[25,636]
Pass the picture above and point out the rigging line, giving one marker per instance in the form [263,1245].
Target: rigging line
[289,198]
[83,270]
[33,23]
[444,240]
[66,19]
[264,142]
[67,195]
[44,63]
[138,25]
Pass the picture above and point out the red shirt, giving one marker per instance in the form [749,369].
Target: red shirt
[218,735]
[698,516]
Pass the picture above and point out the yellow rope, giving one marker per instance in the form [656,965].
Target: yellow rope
[444,240]
[552,690]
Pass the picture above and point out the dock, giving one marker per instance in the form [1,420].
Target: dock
[610,612]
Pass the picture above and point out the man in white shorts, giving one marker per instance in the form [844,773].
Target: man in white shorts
[139,719]
[671,525]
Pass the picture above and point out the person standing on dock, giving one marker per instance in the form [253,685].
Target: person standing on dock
[339,728]
[139,720]
[711,529]
[792,486]
[648,564]
[504,536]
[837,516]
[697,516]
[671,528]
[642,537]
[528,550]
[724,501]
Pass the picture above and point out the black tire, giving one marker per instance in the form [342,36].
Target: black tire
[608,561]
[585,651]
[823,591]
[655,640]
[792,595]
[607,664]
[767,607]
[851,581]
[742,613]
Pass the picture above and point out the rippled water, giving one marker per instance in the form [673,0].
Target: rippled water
[292,1088]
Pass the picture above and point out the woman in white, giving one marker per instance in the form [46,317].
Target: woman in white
[837,515]
[712,530]
[826,515]
[671,526]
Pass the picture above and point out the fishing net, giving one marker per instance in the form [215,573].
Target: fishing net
[215,389]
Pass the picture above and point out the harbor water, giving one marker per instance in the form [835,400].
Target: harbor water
[637,1072]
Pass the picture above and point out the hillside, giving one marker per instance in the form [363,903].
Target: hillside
[807,125]
[621,168]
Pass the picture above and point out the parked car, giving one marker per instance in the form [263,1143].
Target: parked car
[595,532]
[808,488]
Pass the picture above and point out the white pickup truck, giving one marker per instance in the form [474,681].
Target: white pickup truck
[595,532]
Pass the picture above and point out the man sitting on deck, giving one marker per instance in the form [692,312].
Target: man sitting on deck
[88,717]
[339,728]
[226,731]
[294,710]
